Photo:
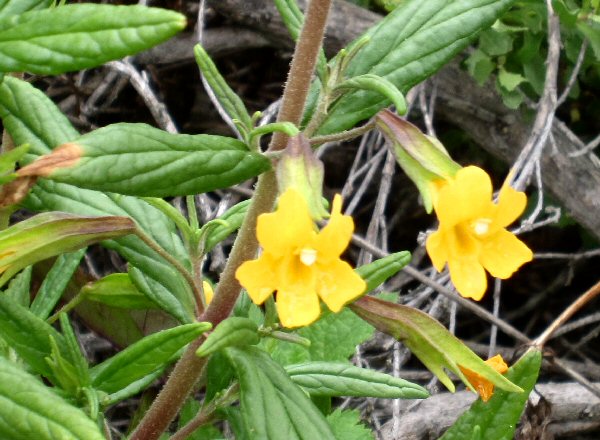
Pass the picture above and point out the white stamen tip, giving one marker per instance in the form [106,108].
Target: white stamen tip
[481,226]
[308,256]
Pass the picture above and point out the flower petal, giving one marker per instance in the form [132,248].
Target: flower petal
[334,238]
[257,278]
[437,249]
[468,277]
[338,284]
[298,307]
[503,253]
[288,228]
[467,196]
[511,204]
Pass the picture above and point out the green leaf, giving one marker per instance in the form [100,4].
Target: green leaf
[80,363]
[343,379]
[429,340]
[228,223]
[494,43]
[55,283]
[30,410]
[346,425]
[16,7]
[407,46]
[31,117]
[272,406]
[79,36]
[219,374]
[117,290]
[497,418]
[234,331]
[52,233]
[144,357]
[19,288]
[140,160]
[229,100]
[333,337]
[29,336]
[480,66]
[376,84]
[508,80]
[377,272]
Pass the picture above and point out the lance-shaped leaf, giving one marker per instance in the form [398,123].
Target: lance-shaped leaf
[343,379]
[377,272]
[52,233]
[140,160]
[144,357]
[234,331]
[273,407]
[497,418]
[29,336]
[55,283]
[429,340]
[73,37]
[231,103]
[407,46]
[30,410]
[117,290]
[15,7]
[376,84]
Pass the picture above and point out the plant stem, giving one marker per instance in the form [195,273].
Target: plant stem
[344,135]
[189,368]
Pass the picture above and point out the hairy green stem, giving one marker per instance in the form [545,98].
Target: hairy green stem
[344,135]
[189,368]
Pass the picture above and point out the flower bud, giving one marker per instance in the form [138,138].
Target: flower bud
[423,158]
[299,168]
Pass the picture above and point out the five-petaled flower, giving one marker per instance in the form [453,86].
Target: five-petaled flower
[300,263]
[472,235]
[484,387]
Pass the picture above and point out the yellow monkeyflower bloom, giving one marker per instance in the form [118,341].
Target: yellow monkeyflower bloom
[484,387]
[300,263]
[472,235]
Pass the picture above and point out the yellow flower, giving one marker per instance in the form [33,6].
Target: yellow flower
[472,235]
[208,292]
[483,386]
[300,263]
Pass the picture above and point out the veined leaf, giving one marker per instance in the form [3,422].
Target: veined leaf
[48,234]
[140,160]
[429,340]
[343,379]
[30,410]
[31,117]
[346,425]
[144,357]
[407,46]
[273,407]
[333,337]
[78,36]
[498,418]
